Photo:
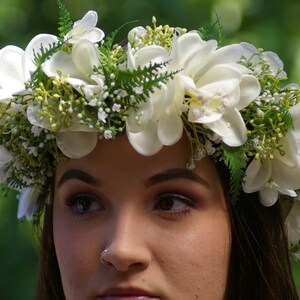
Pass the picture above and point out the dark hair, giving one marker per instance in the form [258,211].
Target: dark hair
[259,266]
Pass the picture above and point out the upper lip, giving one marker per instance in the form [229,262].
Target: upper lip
[127,291]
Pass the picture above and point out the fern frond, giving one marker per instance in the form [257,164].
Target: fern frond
[206,32]
[65,22]
[40,58]
[236,161]
[147,78]
[45,53]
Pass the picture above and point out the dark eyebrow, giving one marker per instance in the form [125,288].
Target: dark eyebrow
[79,175]
[172,174]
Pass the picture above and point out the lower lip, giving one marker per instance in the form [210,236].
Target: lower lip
[127,297]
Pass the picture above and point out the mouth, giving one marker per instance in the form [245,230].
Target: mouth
[127,297]
[126,294]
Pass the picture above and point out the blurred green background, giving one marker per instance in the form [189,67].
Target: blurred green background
[269,24]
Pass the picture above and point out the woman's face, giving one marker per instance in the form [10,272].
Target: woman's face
[132,227]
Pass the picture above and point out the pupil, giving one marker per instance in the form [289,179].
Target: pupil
[166,204]
[83,204]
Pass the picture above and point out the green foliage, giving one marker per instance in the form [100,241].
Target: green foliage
[40,58]
[65,22]
[148,77]
[236,161]
[208,31]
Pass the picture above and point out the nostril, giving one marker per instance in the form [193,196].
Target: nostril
[123,261]
[103,259]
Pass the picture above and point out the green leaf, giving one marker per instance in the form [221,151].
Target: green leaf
[148,78]
[65,22]
[236,161]
[207,31]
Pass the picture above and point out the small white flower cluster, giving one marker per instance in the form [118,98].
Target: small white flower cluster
[219,95]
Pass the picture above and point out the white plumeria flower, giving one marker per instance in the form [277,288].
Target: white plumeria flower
[75,141]
[17,65]
[155,123]
[282,171]
[218,86]
[76,67]
[268,194]
[85,29]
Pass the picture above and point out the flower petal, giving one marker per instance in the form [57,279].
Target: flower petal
[286,177]
[5,156]
[61,61]
[227,54]
[293,225]
[34,48]
[145,142]
[138,119]
[153,54]
[231,128]
[85,29]
[75,144]
[85,57]
[220,73]
[11,72]
[268,196]
[289,146]
[170,128]
[193,59]
[295,113]
[250,90]
[257,175]
[94,35]
[27,203]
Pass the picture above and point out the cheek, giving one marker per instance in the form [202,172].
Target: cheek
[198,260]
[78,253]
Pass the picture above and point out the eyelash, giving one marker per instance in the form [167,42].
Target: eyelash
[185,207]
[81,204]
[73,203]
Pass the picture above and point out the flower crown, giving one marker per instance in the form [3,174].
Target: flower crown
[62,94]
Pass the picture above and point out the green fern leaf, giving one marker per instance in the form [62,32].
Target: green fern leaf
[236,161]
[147,78]
[40,58]
[45,53]
[65,22]
[207,32]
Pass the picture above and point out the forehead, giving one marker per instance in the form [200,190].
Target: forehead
[116,159]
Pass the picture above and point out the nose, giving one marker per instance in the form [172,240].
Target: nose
[126,249]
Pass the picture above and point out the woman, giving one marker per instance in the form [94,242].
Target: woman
[160,157]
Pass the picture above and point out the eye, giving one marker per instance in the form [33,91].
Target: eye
[84,203]
[174,204]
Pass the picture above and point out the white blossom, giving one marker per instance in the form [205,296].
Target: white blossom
[217,85]
[85,29]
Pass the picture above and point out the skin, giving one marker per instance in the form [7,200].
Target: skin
[163,236]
